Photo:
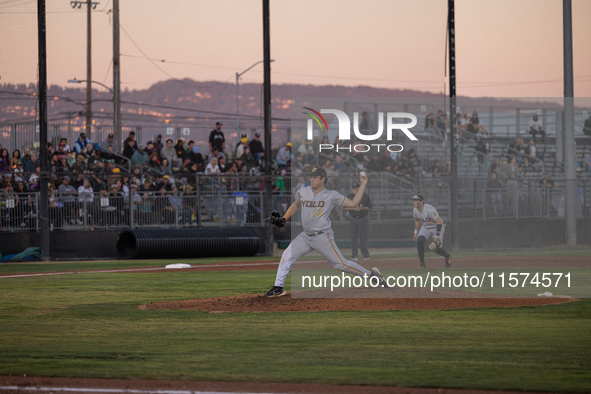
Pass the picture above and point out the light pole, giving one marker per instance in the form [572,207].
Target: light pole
[90,5]
[238,75]
[84,80]
[88,108]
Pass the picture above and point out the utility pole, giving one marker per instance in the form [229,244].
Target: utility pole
[88,70]
[267,113]
[70,126]
[116,78]
[570,183]
[451,31]
[237,104]
[44,192]
[89,6]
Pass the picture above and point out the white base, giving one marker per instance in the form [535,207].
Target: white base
[178,265]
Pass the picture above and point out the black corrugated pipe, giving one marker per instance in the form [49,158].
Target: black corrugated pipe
[187,243]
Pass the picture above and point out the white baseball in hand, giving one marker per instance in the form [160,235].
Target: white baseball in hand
[363,174]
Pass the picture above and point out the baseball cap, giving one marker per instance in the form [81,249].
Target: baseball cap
[318,171]
[417,197]
[83,135]
[289,144]
[308,142]
[111,136]
[141,147]
[257,134]
[66,178]
[218,123]
[474,113]
[355,185]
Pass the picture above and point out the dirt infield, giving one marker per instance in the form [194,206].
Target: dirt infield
[19,384]
[256,303]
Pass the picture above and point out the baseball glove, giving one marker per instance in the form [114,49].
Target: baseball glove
[277,219]
[435,244]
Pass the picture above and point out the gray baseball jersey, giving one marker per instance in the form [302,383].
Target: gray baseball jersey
[428,217]
[316,208]
[317,234]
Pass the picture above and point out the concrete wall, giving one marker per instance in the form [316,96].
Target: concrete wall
[68,245]
[488,235]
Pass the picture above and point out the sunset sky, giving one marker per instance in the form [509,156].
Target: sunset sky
[505,48]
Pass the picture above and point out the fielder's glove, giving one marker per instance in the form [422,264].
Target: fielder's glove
[435,244]
[277,219]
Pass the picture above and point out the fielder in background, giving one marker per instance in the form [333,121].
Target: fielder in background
[359,223]
[428,225]
[317,203]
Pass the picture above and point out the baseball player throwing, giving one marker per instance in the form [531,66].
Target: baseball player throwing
[428,225]
[317,203]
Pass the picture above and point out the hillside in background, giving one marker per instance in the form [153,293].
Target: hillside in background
[187,102]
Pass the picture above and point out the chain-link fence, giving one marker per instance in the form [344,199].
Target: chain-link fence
[229,200]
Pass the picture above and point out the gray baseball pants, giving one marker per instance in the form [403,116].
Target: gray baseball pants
[323,243]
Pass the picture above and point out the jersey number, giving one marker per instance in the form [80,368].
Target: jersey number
[317,213]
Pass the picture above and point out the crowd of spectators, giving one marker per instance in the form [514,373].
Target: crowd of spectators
[84,172]
[160,178]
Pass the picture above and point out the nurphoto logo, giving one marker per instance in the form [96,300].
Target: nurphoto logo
[345,129]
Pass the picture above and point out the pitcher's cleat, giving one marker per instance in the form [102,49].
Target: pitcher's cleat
[375,272]
[421,266]
[276,291]
[448,261]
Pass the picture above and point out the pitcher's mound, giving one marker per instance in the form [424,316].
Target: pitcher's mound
[256,303]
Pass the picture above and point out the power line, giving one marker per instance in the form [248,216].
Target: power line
[182,63]
[161,70]
[475,83]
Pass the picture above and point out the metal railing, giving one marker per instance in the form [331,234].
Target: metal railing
[230,200]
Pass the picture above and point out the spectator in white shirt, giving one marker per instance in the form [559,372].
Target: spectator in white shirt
[212,166]
[535,128]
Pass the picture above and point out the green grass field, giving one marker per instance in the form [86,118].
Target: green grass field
[89,325]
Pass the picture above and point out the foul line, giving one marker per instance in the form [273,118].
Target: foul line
[111,271]
[149,269]
[129,391]
[129,270]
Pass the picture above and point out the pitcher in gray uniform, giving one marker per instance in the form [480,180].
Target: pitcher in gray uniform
[317,203]
[428,225]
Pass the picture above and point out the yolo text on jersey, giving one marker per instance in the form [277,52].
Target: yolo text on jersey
[312,204]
